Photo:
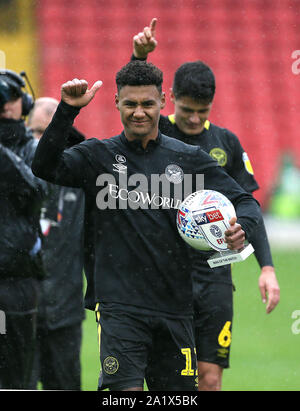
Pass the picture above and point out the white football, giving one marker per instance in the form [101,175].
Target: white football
[202,219]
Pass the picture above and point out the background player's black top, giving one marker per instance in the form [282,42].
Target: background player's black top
[139,259]
[223,146]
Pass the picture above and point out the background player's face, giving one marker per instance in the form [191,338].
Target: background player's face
[12,109]
[190,115]
[139,108]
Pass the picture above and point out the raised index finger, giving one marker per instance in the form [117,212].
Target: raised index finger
[153,26]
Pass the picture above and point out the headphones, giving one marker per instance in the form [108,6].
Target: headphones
[18,82]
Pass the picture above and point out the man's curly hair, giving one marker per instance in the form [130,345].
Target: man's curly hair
[139,73]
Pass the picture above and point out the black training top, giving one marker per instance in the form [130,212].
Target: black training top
[221,144]
[139,260]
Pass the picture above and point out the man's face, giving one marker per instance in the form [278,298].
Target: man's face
[190,115]
[139,108]
[39,122]
[12,110]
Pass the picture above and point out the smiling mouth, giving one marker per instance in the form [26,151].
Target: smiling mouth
[139,123]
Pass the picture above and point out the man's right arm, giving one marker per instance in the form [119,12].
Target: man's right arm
[145,42]
[52,162]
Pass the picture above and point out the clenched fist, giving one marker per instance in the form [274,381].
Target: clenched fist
[76,93]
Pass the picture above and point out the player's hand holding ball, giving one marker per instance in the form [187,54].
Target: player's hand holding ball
[234,236]
[76,93]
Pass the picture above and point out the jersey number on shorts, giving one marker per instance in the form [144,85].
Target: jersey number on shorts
[224,338]
[188,358]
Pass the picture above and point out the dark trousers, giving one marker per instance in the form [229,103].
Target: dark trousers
[18,304]
[16,351]
[57,358]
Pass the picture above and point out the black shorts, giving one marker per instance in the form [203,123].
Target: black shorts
[135,347]
[213,315]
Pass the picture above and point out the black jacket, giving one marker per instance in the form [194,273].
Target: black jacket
[21,195]
[61,302]
[139,258]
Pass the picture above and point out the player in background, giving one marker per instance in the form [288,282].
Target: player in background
[192,94]
[60,309]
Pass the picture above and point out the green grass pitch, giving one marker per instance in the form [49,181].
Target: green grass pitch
[265,352]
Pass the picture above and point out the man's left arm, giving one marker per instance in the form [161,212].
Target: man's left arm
[267,282]
[243,173]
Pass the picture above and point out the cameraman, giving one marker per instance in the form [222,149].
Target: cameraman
[21,194]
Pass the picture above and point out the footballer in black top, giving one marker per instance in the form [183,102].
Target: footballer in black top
[139,271]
